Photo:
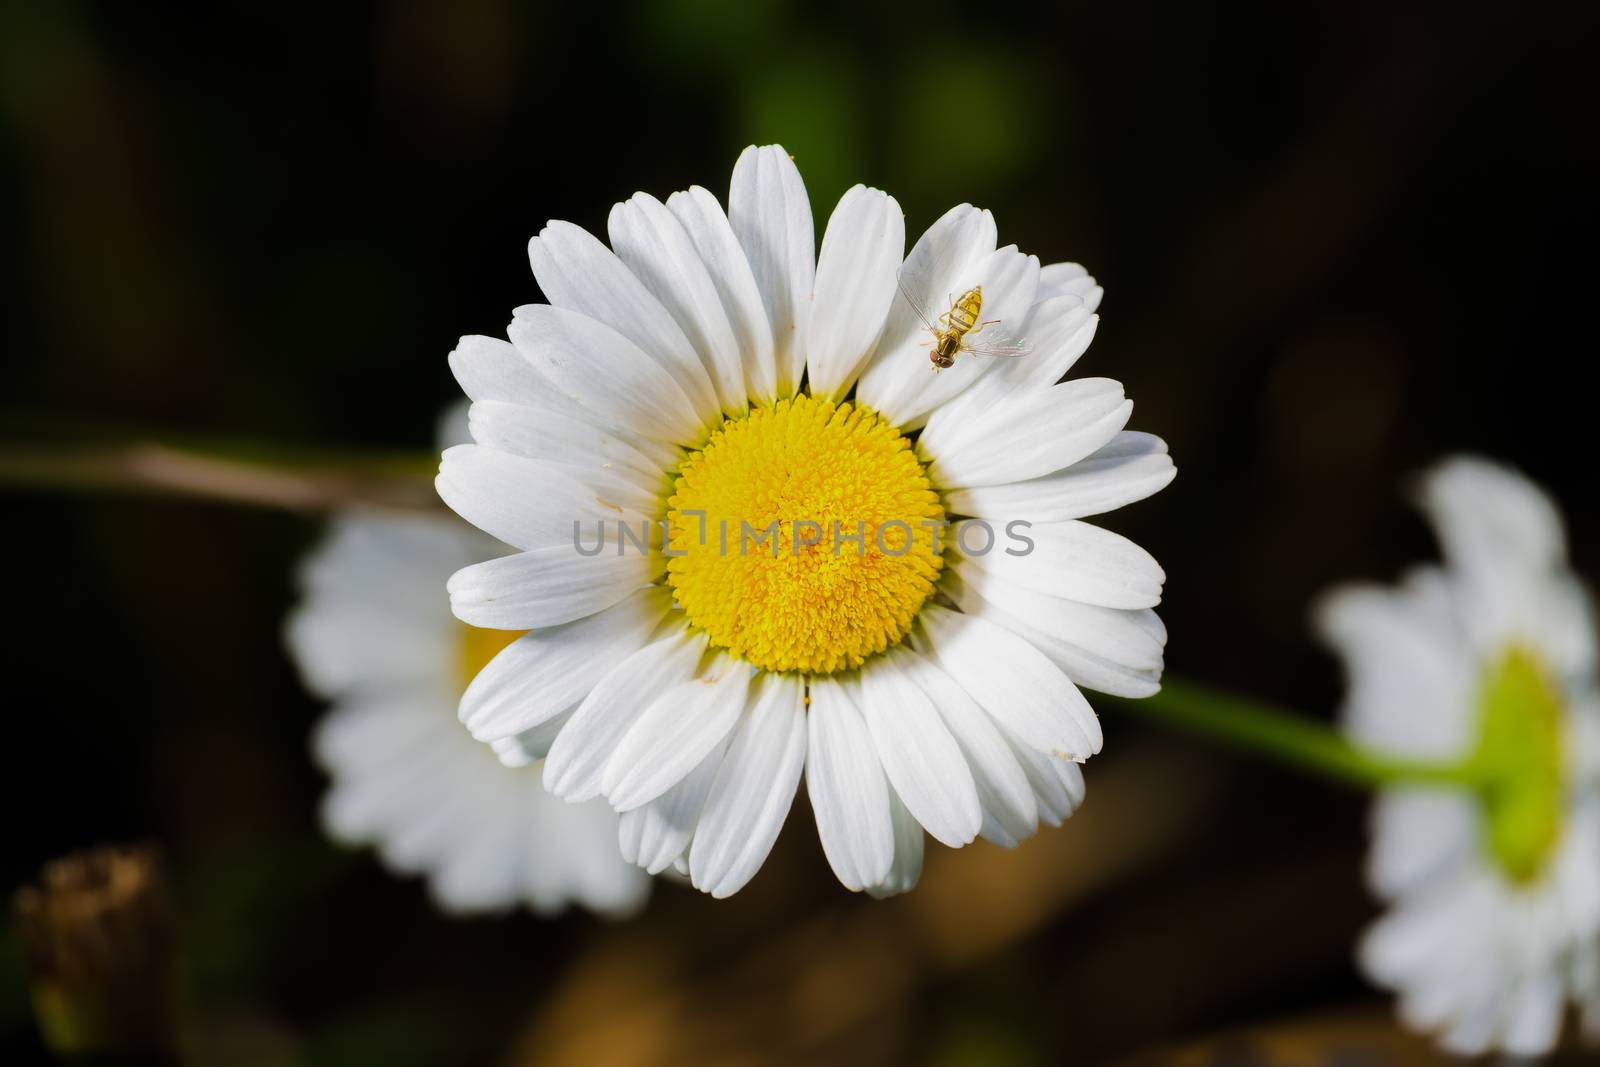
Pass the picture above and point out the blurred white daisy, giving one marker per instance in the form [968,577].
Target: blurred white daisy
[1494,924]
[710,373]
[374,634]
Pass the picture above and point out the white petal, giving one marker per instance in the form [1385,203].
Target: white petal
[1132,467]
[544,673]
[1472,1033]
[1133,638]
[771,216]
[1068,279]
[532,744]
[907,866]
[659,252]
[523,502]
[607,373]
[616,488]
[358,627]
[1108,649]
[352,743]
[655,834]
[1003,789]
[560,436]
[491,369]
[1071,777]
[342,647]
[1583,748]
[580,274]
[1015,683]
[1049,779]
[936,268]
[1418,835]
[1059,331]
[855,283]
[754,788]
[369,731]
[1410,679]
[357,561]
[848,790]
[1503,538]
[1408,939]
[581,752]
[1008,280]
[1075,561]
[1028,436]
[510,753]
[719,249]
[1490,516]
[1535,1021]
[413,821]
[478,875]
[920,758]
[675,733]
[1563,627]
[547,587]
[587,867]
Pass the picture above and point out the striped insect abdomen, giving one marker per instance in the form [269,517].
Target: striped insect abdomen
[964,314]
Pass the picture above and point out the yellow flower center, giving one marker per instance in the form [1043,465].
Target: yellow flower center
[803,536]
[1521,722]
[478,647]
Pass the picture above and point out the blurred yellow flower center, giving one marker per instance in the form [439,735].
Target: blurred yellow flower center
[478,647]
[1521,719]
[803,536]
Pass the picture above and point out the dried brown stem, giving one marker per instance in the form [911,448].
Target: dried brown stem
[154,468]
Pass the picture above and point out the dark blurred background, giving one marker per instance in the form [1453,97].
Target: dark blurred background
[1338,240]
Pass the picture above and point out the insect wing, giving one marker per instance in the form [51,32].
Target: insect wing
[1011,346]
[901,279]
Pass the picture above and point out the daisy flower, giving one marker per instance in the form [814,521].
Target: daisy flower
[1493,925]
[374,634]
[733,474]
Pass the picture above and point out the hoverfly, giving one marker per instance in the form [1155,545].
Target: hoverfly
[954,330]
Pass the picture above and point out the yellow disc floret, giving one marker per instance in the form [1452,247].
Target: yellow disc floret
[803,536]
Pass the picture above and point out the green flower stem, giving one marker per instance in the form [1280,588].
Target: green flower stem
[1293,739]
[230,472]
